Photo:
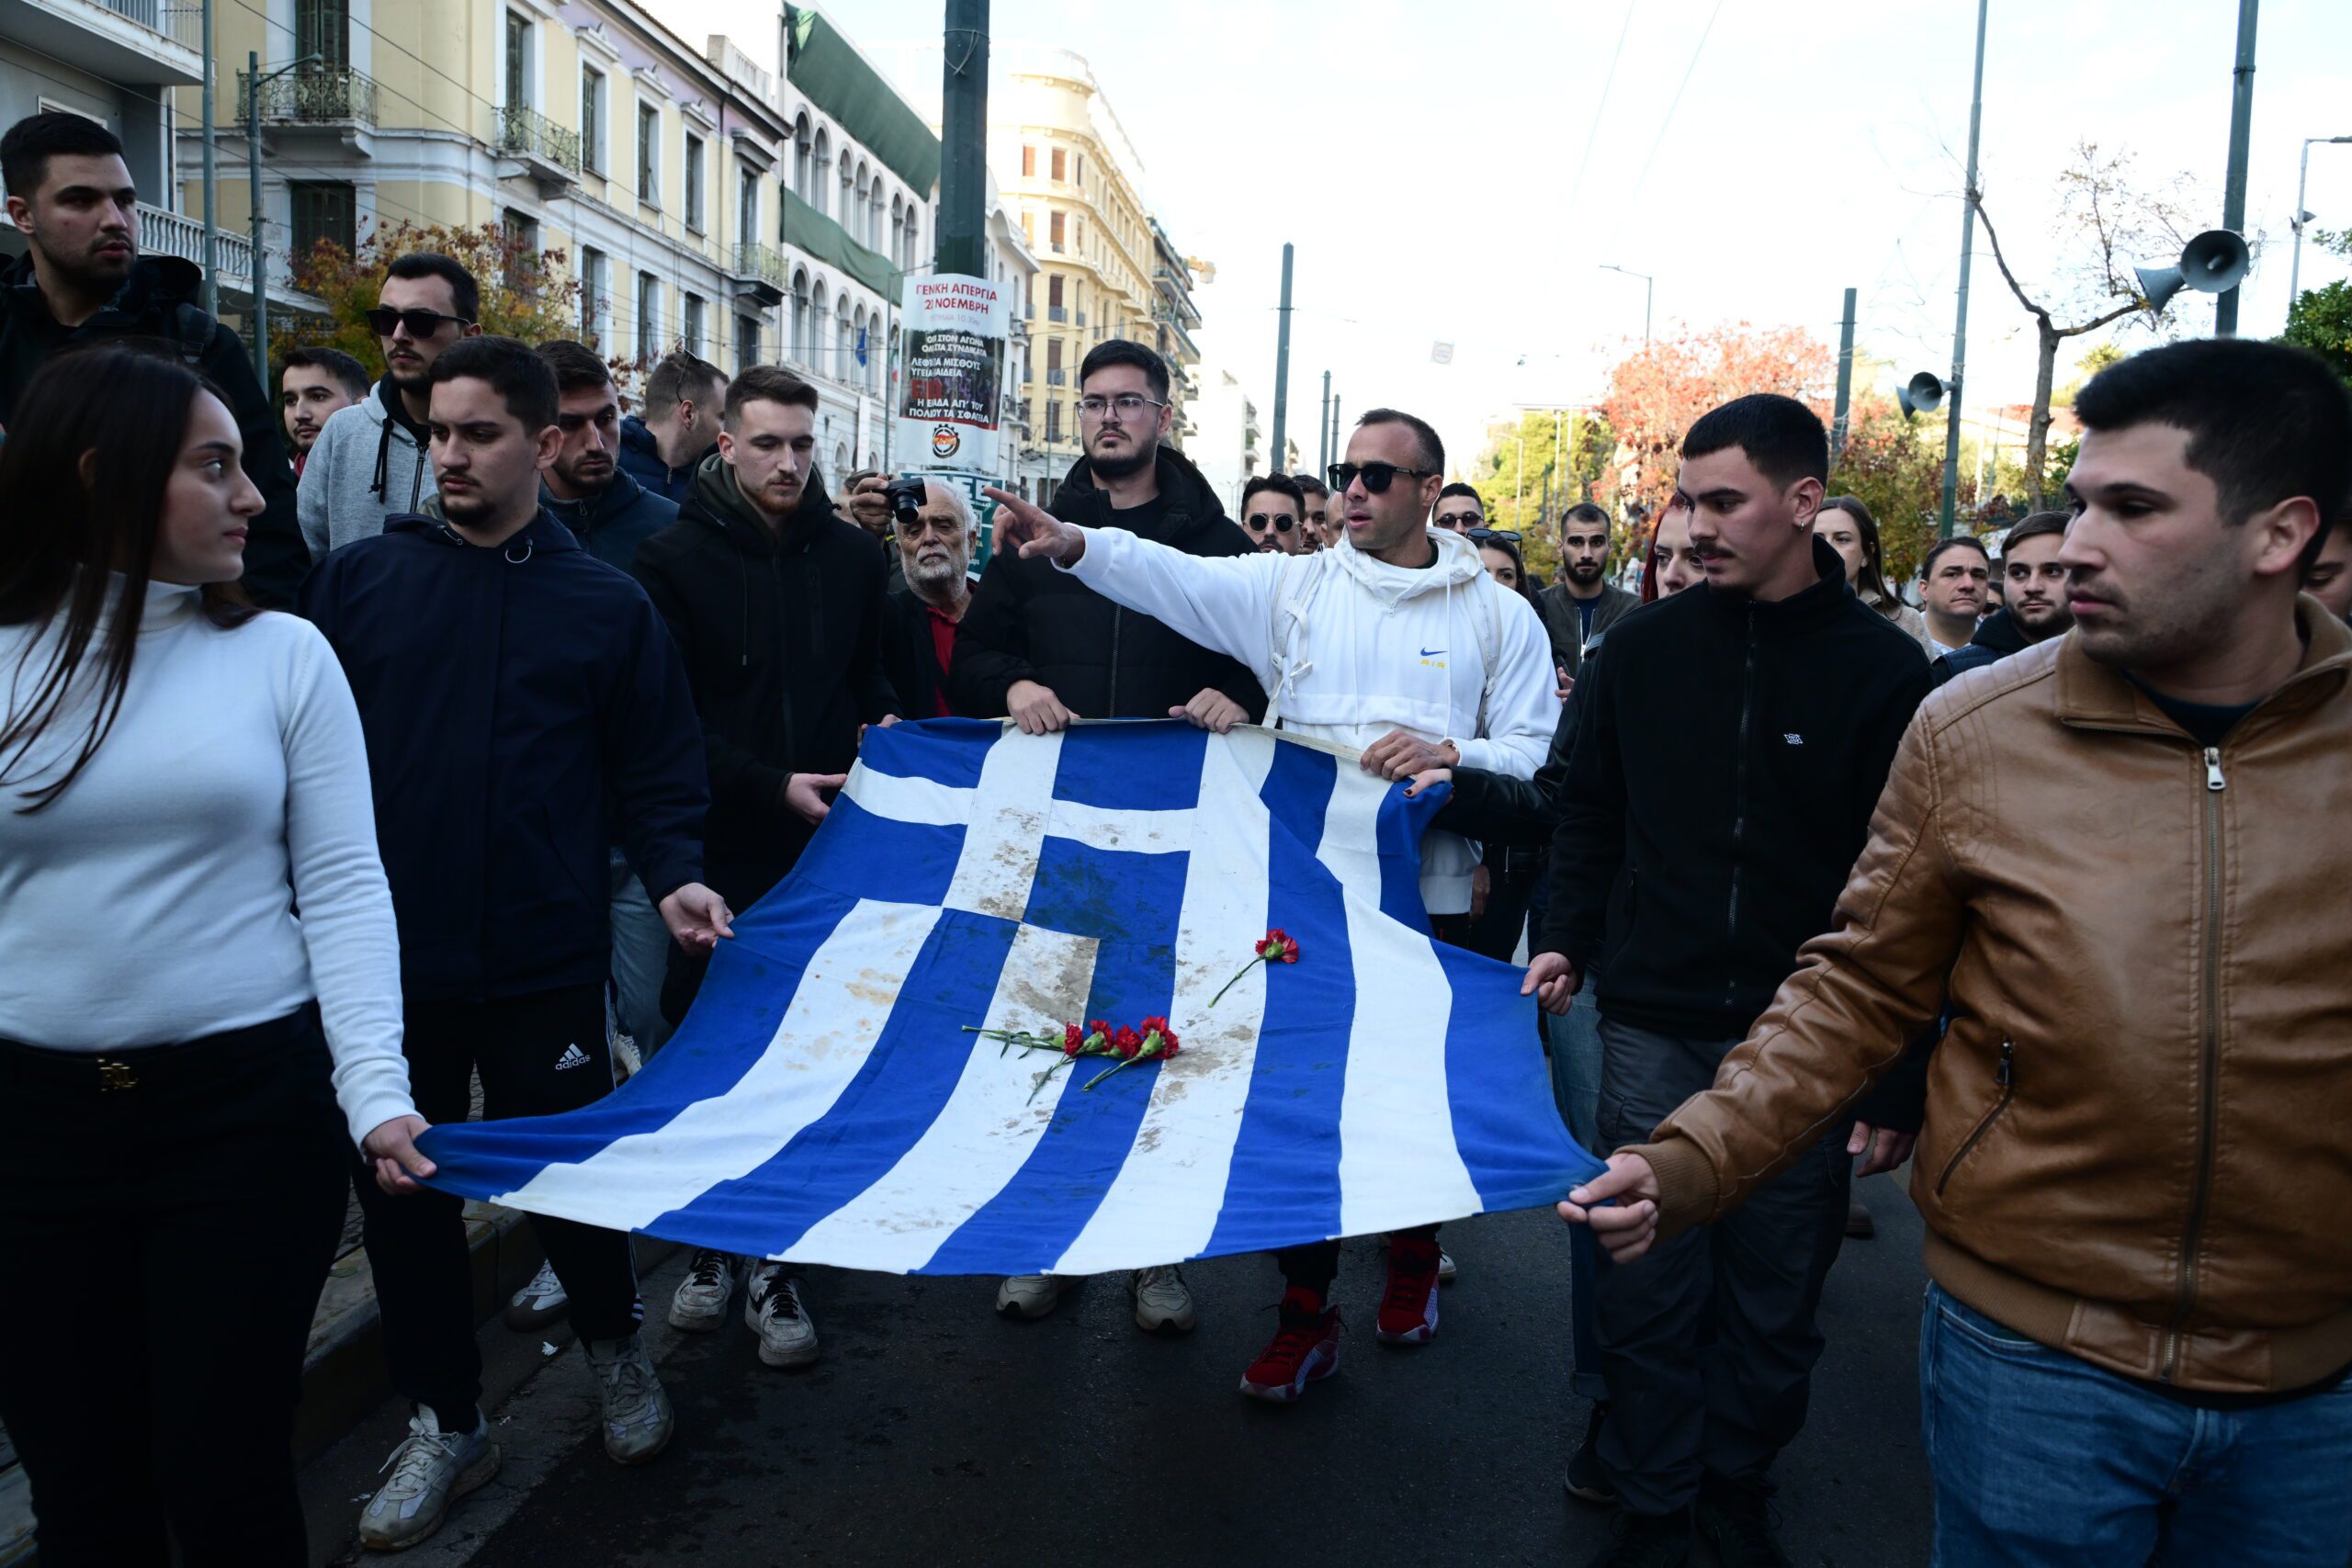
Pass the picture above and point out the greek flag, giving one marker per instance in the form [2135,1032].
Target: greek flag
[825,1102]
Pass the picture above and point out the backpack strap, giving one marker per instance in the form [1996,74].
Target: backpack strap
[1489,629]
[1290,623]
[194,333]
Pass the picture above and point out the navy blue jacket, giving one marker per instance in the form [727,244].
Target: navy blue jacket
[1996,638]
[523,706]
[640,460]
[615,520]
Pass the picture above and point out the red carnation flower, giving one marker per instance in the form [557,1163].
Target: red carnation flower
[1125,1044]
[1072,1038]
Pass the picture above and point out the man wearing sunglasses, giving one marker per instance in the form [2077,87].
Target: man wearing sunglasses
[1272,513]
[1041,648]
[370,460]
[1459,509]
[1394,640]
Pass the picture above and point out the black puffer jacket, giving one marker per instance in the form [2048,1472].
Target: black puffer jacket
[1030,622]
[158,302]
[782,639]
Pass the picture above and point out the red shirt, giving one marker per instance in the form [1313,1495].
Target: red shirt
[943,649]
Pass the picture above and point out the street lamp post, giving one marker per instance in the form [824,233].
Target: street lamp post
[254,82]
[1649,288]
[2302,175]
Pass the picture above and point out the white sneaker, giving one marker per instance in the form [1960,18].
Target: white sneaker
[1444,1267]
[537,1303]
[1162,1303]
[700,1304]
[1031,1295]
[787,1333]
[431,1469]
[638,1416]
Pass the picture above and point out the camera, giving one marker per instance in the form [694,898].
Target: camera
[906,498]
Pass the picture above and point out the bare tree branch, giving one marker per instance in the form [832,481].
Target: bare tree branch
[2117,314]
[2003,262]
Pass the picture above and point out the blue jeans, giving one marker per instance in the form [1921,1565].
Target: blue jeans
[1576,1088]
[2042,1460]
[641,958]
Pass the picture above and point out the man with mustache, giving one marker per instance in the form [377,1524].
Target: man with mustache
[2036,610]
[315,385]
[82,281]
[936,548]
[1730,746]
[372,462]
[1952,591]
[1272,509]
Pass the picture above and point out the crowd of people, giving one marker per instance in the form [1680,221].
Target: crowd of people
[430,731]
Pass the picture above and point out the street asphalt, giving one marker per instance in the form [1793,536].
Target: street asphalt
[934,1433]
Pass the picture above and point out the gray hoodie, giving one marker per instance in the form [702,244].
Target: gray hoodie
[365,466]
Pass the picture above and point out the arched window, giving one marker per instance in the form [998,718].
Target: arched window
[797,348]
[817,196]
[909,250]
[841,209]
[840,461]
[874,221]
[800,155]
[812,346]
[837,364]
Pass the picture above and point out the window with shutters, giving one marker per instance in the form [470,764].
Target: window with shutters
[1028,162]
[592,120]
[695,178]
[1061,164]
[648,154]
[649,317]
[324,210]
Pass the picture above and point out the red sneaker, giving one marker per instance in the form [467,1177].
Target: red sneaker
[1306,1349]
[1409,1310]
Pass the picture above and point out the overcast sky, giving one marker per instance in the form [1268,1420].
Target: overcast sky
[1439,168]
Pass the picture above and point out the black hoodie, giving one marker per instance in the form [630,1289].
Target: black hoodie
[1996,638]
[781,632]
[1727,755]
[158,301]
[1030,622]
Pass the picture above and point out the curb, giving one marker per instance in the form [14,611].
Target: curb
[344,1374]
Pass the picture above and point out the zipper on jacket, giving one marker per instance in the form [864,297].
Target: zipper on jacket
[1740,797]
[2005,1075]
[2209,1007]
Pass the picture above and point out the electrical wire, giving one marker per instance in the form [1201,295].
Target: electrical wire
[1642,178]
[1575,187]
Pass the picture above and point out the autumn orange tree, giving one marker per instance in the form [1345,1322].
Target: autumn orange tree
[1657,392]
[1896,468]
[525,293]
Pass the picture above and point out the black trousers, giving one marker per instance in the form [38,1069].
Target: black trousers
[1314,1266]
[1708,1342]
[537,1055]
[190,1196]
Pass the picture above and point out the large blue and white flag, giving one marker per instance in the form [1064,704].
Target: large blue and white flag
[825,1102]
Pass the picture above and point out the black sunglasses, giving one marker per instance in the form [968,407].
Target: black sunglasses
[1510,534]
[1282,520]
[1377,477]
[419,323]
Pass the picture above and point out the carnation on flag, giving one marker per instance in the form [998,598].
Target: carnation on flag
[843,1093]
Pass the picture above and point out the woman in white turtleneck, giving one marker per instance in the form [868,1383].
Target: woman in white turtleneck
[197,965]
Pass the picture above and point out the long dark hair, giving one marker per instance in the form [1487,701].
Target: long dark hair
[85,470]
[1870,583]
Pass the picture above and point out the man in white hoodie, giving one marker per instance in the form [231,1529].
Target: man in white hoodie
[1394,639]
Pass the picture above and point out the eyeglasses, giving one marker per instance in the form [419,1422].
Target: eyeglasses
[1510,534]
[1129,404]
[419,323]
[1282,522]
[1458,521]
[1376,476]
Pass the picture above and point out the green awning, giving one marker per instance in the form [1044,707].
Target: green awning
[812,232]
[821,63]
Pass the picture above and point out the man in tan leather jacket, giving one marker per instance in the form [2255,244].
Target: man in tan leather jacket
[2125,852]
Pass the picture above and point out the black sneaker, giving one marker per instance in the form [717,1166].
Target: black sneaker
[1648,1541]
[1587,1482]
[1736,1519]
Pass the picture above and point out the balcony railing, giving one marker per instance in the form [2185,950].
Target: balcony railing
[183,23]
[1056,313]
[1057,378]
[534,135]
[754,260]
[311,97]
[163,234]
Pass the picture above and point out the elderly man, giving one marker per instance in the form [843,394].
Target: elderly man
[918,629]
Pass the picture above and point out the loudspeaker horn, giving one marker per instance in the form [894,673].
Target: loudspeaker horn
[2212,263]
[1923,394]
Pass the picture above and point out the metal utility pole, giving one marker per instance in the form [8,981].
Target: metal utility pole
[1339,453]
[2302,175]
[212,183]
[2225,308]
[1281,369]
[962,245]
[1844,378]
[254,81]
[1323,430]
[1945,523]
[1649,292]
